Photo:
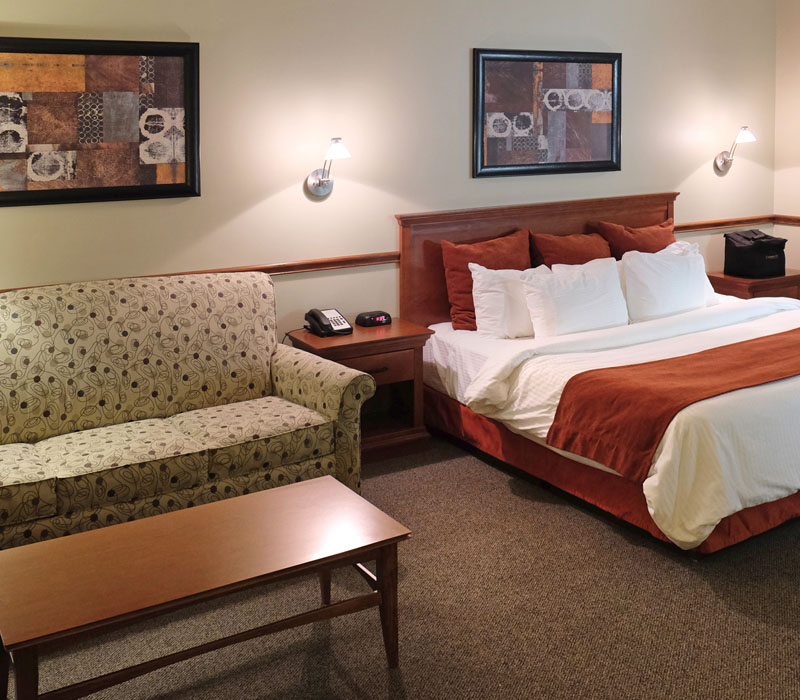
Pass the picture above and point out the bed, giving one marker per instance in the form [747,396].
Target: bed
[463,374]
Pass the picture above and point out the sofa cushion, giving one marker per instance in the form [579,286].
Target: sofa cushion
[259,434]
[27,491]
[17,534]
[86,355]
[121,463]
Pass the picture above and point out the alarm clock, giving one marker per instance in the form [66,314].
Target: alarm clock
[373,318]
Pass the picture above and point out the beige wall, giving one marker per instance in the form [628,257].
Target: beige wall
[787,124]
[393,78]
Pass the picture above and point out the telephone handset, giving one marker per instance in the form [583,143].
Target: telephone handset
[327,322]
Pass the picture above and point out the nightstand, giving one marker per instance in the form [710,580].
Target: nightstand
[745,287]
[393,356]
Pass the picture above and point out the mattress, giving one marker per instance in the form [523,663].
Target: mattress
[714,460]
[452,360]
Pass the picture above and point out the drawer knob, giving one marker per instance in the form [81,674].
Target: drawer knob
[378,370]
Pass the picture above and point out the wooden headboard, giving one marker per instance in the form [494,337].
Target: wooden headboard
[423,293]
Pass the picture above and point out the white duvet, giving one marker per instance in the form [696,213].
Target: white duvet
[717,456]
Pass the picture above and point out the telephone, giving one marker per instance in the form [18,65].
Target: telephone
[327,322]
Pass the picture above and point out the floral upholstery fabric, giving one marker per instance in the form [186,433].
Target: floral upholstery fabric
[86,355]
[334,391]
[14,535]
[121,463]
[26,491]
[258,434]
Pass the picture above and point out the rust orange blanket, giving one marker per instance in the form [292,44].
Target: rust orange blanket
[618,415]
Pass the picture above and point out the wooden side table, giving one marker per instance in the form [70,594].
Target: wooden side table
[745,287]
[393,356]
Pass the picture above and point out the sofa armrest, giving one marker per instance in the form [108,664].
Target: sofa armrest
[335,391]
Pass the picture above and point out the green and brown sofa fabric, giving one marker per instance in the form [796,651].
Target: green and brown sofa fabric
[121,399]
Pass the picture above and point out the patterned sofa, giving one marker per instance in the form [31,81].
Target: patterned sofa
[121,399]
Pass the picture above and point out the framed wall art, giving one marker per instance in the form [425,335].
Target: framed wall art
[537,112]
[88,121]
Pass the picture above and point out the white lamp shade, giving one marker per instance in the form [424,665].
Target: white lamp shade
[745,135]
[337,150]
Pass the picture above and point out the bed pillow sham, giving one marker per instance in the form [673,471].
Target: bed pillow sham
[500,307]
[677,248]
[663,285]
[687,248]
[575,298]
[510,252]
[646,239]
[571,249]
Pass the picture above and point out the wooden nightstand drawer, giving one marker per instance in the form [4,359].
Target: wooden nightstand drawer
[385,367]
[789,290]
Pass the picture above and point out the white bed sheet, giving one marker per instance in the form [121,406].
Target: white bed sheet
[452,359]
[714,458]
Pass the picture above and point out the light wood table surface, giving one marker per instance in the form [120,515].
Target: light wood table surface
[106,578]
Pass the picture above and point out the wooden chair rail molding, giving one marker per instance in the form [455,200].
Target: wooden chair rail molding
[345,261]
[287,268]
[781,219]
[393,256]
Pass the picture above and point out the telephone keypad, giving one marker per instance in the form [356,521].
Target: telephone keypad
[337,321]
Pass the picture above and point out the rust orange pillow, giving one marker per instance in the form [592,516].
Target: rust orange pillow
[510,252]
[572,249]
[647,239]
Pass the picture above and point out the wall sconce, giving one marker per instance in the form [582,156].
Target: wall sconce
[724,159]
[320,182]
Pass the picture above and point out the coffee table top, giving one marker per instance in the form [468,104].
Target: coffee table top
[127,571]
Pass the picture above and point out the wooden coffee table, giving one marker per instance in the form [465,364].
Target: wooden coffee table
[110,577]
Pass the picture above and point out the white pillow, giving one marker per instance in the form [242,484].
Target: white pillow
[662,285]
[500,308]
[574,298]
[680,248]
[687,248]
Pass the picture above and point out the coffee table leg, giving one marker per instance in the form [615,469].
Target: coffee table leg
[4,664]
[325,586]
[387,585]
[26,673]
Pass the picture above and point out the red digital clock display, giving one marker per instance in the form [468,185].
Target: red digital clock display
[373,318]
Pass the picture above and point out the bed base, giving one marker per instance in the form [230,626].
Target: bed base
[423,300]
[619,497]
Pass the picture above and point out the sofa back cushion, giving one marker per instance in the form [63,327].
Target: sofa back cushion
[89,354]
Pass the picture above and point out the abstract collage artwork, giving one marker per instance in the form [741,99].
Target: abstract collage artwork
[93,121]
[545,112]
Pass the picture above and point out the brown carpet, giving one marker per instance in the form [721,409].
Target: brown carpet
[507,590]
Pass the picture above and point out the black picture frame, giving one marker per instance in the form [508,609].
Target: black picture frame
[533,153]
[119,56]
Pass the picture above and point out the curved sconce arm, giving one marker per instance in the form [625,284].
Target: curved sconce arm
[320,182]
[724,159]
